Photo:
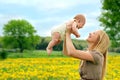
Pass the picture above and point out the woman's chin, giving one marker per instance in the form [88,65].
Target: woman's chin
[88,40]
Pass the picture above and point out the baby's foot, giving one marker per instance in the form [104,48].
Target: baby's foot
[49,50]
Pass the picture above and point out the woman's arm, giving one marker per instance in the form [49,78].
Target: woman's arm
[64,47]
[71,51]
[75,30]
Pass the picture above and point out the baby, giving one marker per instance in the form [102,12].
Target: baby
[58,33]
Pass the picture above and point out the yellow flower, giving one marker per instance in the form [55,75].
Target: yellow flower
[51,68]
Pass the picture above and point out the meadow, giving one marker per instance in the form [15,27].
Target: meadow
[37,65]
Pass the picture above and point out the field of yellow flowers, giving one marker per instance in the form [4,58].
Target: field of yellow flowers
[63,68]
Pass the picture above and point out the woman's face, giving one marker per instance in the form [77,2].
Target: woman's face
[93,37]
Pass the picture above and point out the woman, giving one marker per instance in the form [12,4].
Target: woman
[94,59]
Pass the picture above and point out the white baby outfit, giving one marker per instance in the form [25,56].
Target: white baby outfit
[61,29]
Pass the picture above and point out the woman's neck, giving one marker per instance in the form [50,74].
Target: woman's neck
[90,46]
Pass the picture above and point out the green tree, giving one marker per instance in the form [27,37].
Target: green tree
[0,42]
[110,20]
[19,34]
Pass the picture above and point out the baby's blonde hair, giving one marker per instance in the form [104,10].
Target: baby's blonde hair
[102,46]
[80,17]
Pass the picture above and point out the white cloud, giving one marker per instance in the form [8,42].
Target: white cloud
[92,18]
[5,18]
[94,14]
[48,4]
[91,22]
[45,2]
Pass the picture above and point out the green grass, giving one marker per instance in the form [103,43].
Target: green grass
[42,54]
[36,54]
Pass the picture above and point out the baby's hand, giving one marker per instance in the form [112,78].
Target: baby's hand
[78,35]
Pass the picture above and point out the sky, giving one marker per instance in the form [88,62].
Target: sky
[45,14]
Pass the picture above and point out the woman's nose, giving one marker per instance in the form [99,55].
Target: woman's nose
[89,33]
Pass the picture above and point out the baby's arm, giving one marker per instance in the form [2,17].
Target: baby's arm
[69,23]
[75,30]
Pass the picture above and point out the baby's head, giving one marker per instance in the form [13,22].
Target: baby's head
[80,20]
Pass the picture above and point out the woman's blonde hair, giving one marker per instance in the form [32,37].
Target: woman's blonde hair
[102,45]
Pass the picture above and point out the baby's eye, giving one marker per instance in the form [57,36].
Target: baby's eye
[79,21]
[77,26]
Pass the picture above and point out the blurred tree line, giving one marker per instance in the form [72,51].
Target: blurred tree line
[43,42]
[79,44]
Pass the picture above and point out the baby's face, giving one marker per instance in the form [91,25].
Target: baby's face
[80,24]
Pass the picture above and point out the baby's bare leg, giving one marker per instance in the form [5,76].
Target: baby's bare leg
[55,40]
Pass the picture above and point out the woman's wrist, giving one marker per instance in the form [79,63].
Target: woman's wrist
[67,34]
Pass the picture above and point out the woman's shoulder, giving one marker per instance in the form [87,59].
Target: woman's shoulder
[96,52]
[97,56]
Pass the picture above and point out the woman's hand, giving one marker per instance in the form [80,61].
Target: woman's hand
[69,28]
